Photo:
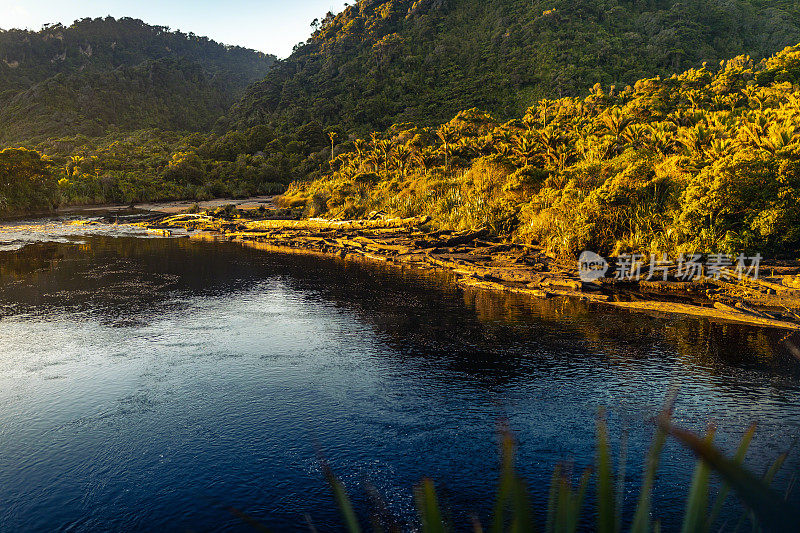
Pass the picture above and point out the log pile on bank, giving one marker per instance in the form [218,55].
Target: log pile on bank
[477,259]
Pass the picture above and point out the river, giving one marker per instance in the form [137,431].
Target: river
[153,383]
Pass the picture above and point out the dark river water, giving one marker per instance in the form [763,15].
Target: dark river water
[151,384]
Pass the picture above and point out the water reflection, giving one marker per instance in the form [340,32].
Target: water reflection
[68,229]
[119,278]
[142,378]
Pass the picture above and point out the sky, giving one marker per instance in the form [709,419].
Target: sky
[272,26]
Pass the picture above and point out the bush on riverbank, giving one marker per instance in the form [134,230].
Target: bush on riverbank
[706,161]
[26,181]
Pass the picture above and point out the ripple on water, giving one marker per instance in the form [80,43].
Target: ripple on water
[141,379]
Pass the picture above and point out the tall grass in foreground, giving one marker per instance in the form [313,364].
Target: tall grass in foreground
[763,509]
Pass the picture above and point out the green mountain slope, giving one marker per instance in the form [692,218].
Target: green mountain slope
[101,75]
[386,61]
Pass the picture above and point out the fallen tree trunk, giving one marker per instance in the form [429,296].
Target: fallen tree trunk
[319,224]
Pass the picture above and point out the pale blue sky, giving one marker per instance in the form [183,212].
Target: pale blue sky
[272,26]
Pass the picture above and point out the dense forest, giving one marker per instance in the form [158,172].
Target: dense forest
[666,162]
[99,76]
[381,62]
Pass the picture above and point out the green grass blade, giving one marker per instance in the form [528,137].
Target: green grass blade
[641,519]
[768,507]
[694,519]
[342,501]
[249,520]
[623,456]
[726,487]
[428,507]
[552,500]
[790,486]
[776,466]
[564,507]
[577,503]
[606,506]
[564,500]
[310,523]
[523,521]
[507,481]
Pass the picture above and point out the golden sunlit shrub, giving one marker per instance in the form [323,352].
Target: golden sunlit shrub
[702,161]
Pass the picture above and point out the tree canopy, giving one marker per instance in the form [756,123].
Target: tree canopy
[381,62]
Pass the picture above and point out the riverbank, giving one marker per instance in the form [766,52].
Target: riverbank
[164,208]
[177,206]
[477,259]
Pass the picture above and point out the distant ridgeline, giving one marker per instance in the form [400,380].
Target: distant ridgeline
[102,75]
[381,62]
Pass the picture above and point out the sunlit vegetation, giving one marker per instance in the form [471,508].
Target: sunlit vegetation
[706,160]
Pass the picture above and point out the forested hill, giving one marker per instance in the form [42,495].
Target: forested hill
[105,74]
[387,61]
